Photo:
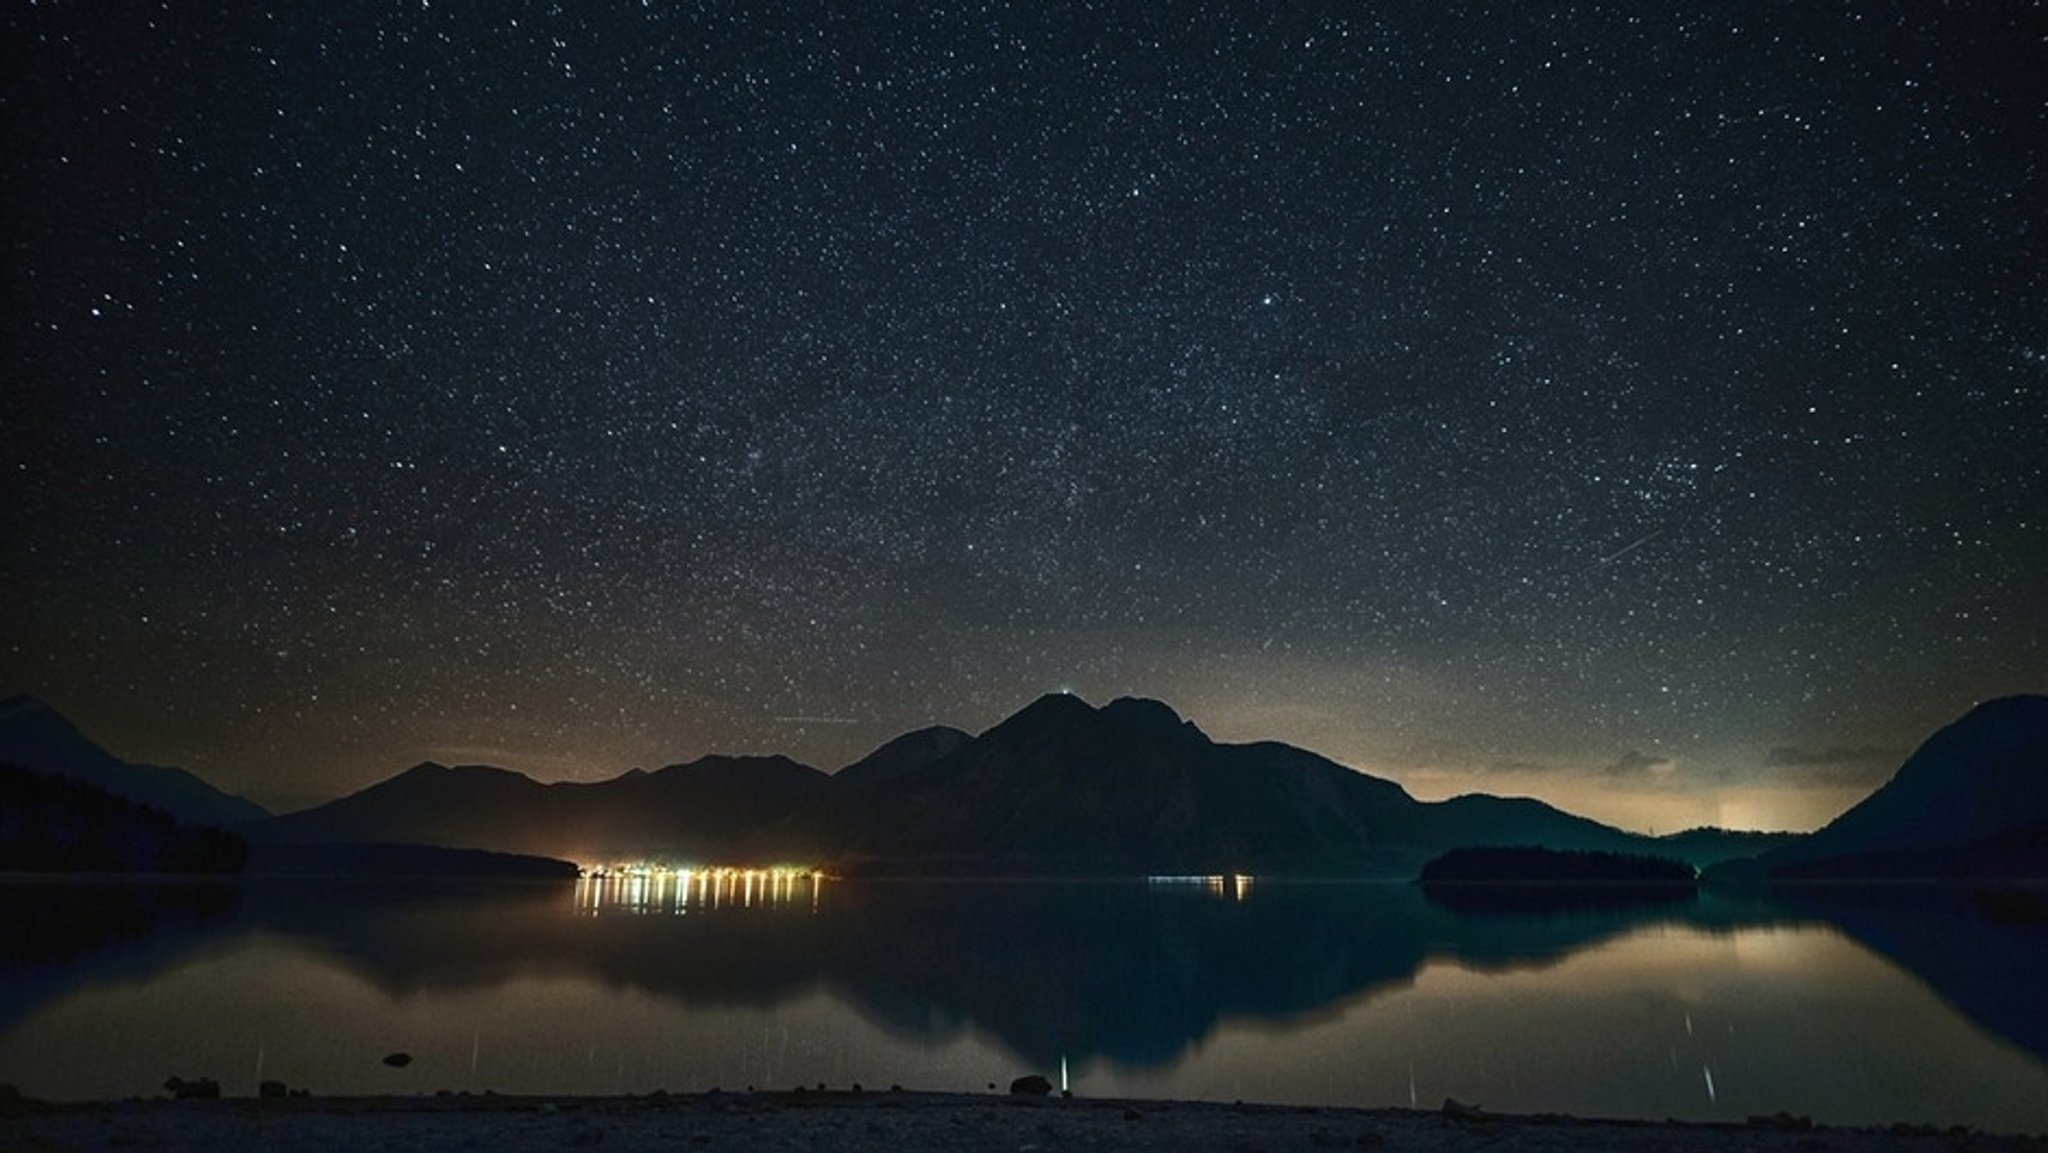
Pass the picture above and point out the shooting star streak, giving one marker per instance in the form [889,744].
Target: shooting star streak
[818,720]
[1630,547]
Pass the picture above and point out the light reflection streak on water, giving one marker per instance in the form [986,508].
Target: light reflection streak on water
[1223,886]
[660,890]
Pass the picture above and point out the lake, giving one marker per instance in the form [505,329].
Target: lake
[1851,1005]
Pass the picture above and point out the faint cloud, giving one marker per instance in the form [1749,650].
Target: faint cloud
[1859,763]
[1520,767]
[492,755]
[1634,763]
[1832,755]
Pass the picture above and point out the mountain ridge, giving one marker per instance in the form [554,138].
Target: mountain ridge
[703,806]
[35,736]
[903,754]
[1063,787]
[1966,802]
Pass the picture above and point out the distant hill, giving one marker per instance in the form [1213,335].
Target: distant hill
[386,860]
[1971,801]
[1063,787]
[1707,845]
[912,750]
[35,736]
[52,823]
[1059,788]
[705,810]
[1478,819]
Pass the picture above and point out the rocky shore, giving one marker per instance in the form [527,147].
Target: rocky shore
[893,1121]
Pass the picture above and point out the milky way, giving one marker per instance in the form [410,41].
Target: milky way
[1643,407]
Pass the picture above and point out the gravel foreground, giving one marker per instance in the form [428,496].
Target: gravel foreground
[892,1121]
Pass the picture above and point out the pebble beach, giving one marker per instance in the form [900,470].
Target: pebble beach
[894,1121]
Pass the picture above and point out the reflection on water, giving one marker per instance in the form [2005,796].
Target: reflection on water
[1869,1011]
[1484,899]
[660,890]
[1230,886]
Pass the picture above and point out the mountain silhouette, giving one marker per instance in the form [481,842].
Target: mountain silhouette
[704,810]
[1065,788]
[35,736]
[334,859]
[1059,788]
[1709,845]
[54,824]
[912,750]
[1062,787]
[1971,801]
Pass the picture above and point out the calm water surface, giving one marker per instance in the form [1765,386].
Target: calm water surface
[1853,1006]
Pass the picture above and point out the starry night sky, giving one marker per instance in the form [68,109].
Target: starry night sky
[1642,408]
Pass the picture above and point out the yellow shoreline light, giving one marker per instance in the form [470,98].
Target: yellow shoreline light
[641,887]
[1234,886]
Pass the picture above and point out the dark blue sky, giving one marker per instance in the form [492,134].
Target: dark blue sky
[1639,406]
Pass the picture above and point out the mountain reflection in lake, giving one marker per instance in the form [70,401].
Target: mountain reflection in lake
[1856,1010]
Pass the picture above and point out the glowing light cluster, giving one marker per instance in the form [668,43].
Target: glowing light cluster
[663,889]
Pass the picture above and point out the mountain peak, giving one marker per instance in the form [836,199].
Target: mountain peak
[703,810]
[2021,709]
[1981,777]
[1132,714]
[1982,771]
[21,704]
[24,710]
[35,736]
[904,754]
[1062,703]
[1147,715]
